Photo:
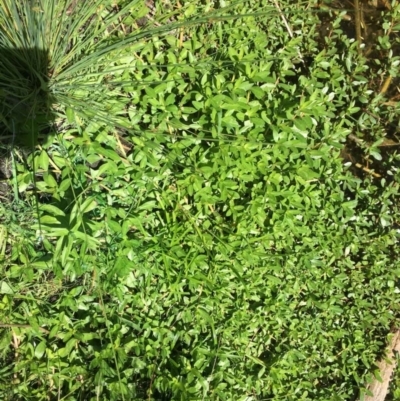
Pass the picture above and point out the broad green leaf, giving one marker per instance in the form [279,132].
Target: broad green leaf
[40,350]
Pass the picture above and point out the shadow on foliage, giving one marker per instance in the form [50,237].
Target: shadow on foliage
[25,101]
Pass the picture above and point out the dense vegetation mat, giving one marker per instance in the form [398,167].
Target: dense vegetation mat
[200,199]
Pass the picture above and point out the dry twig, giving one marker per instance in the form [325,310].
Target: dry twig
[386,85]
[379,388]
[289,29]
[357,18]
[22,326]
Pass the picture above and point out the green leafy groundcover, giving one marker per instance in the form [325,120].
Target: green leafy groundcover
[205,241]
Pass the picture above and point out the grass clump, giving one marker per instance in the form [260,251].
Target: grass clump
[189,229]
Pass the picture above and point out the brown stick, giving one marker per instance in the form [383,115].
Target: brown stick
[387,4]
[355,139]
[386,366]
[386,85]
[367,170]
[289,29]
[357,21]
[22,326]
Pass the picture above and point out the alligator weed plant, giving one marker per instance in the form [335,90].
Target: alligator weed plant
[182,224]
[75,58]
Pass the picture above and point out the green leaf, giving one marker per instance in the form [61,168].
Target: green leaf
[263,76]
[307,174]
[122,266]
[49,180]
[44,160]
[70,115]
[54,210]
[5,288]
[40,350]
